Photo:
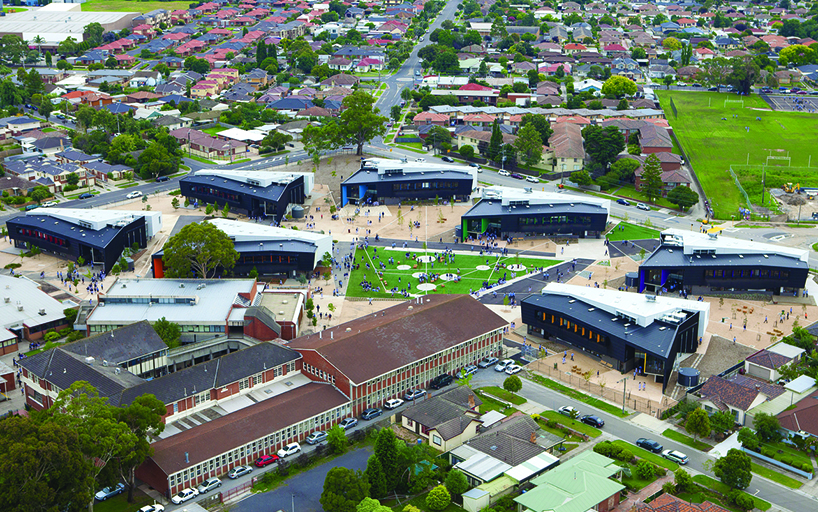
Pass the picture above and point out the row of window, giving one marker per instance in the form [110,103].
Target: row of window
[35,233]
[434,185]
[572,326]
[214,192]
[149,300]
[554,219]
[321,374]
[252,259]
[185,328]
[747,273]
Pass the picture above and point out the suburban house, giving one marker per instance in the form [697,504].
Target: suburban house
[446,421]
[765,364]
[736,395]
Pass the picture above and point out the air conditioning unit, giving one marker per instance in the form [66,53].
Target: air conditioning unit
[19,307]
[6,299]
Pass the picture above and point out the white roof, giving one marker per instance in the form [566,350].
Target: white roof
[54,25]
[491,417]
[257,178]
[693,241]
[252,232]
[242,135]
[385,165]
[786,350]
[532,466]
[536,197]
[481,465]
[801,384]
[644,309]
[212,302]
[91,219]
[23,293]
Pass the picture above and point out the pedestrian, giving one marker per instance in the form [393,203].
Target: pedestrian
[572,356]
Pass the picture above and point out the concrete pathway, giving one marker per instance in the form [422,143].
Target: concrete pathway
[721,449]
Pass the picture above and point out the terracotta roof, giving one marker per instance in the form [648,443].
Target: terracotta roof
[803,417]
[375,344]
[724,393]
[670,503]
[768,359]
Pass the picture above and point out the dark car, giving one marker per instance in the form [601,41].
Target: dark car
[649,445]
[161,179]
[368,414]
[623,202]
[712,88]
[86,195]
[695,85]
[594,421]
[517,176]
[448,159]
[441,381]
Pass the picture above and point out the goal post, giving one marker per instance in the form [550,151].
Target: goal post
[776,159]
[740,102]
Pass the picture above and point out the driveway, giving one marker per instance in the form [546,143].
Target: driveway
[304,490]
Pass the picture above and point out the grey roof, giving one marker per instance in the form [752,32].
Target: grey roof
[510,440]
[272,192]
[494,208]
[120,345]
[362,176]
[666,257]
[98,238]
[444,412]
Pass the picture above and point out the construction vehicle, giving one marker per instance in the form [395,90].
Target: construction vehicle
[787,188]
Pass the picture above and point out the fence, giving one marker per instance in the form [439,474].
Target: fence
[673,106]
[778,463]
[578,382]
[235,491]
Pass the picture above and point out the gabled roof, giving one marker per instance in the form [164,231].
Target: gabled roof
[724,394]
[444,412]
[768,359]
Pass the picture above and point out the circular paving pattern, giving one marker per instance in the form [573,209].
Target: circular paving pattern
[425,259]
[426,287]
[417,275]
[483,267]
[404,267]
[448,277]
[516,268]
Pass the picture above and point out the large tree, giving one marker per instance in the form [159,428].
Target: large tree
[797,54]
[456,482]
[495,143]
[375,477]
[734,469]
[170,332]
[529,145]
[602,145]
[143,417]
[698,423]
[618,86]
[43,467]
[767,426]
[343,490]
[745,73]
[652,177]
[683,197]
[386,450]
[94,32]
[360,122]
[198,250]
[157,161]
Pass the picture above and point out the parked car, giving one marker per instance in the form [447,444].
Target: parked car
[109,492]
[290,449]
[316,437]
[348,423]
[414,394]
[239,471]
[472,164]
[266,460]
[393,403]
[695,85]
[441,381]
[134,194]
[487,361]
[86,195]
[532,179]
[417,73]
[649,444]
[594,421]
[517,176]
[502,365]
[513,368]
[466,371]
[209,485]
[504,173]
[623,202]
[370,413]
[567,410]
[712,88]
[49,204]
[184,495]
[152,508]
[643,206]
[448,159]
[675,456]
[162,179]
[31,207]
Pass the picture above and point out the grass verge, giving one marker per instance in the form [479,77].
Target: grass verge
[572,424]
[717,486]
[582,397]
[128,185]
[648,456]
[686,440]
[502,394]
[75,196]
[775,476]
[628,231]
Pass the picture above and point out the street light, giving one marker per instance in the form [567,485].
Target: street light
[624,392]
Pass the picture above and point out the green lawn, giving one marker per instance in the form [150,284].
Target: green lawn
[119,503]
[686,440]
[630,192]
[572,424]
[471,278]
[131,6]
[789,451]
[199,159]
[502,394]
[713,145]
[648,456]
[47,130]
[628,231]
[128,185]
[576,395]
[775,476]
[633,482]
[490,404]
[214,130]
[80,192]
[717,486]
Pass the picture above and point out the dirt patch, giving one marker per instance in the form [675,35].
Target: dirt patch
[722,354]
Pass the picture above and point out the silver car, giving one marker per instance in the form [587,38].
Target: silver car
[209,485]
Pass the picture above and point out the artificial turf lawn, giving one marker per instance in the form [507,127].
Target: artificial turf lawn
[631,232]
[471,278]
[712,144]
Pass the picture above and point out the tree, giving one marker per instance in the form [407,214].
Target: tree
[638,53]
[456,482]
[652,178]
[495,143]
[439,137]
[581,178]
[72,178]
[101,436]
[360,121]
[698,423]
[12,48]
[67,47]
[512,384]
[643,470]
[40,193]
[394,112]
[438,498]
[618,86]
[684,482]
[93,33]
[157,161]
[337,439]
[170,332]
[767,426]
[683,197]
[602,145]
[466,151]
[42,466]
[734,469]
[797,54]
[343,490]
[529,145]
[671,43]
[372,505]
[199,249]
[375,477]
[721,421]
[748,439]
[624,168]
[541,123]
[143,417]
[386,451]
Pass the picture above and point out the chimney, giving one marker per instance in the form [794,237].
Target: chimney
[533,438]
[471,401]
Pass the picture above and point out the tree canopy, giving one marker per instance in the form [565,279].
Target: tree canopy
[734,469]
[343,490]
[683,197]
[617,86]
[198,250]
[652,177]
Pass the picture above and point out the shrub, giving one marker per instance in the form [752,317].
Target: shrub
[806,467]
[643,470]
[767,452]
[553,424]
[743,500]
[659,470]
[51,336]
[624,456]
[786,460]
[66,331]
[669,488]
[76,335]
[438,498]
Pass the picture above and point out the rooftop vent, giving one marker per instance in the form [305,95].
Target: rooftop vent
[766,256]
[662,328]
[41,312]
[181,285]
[670,251]
[6,299]
[650,298]
[591,309]
[741,256]
[571,301]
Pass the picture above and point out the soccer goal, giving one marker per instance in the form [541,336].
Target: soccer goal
[733,102]
[776,159]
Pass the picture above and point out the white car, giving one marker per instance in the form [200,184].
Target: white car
[393,403]
[152,508]
[184,495]
[289,450]
[209,484]
[134,194]
[643,206]
[531,179]
[502,365]
[567,410]
[504,173]
[513,368]
[48,204]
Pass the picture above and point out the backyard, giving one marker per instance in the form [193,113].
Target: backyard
[714,139]
[473,271]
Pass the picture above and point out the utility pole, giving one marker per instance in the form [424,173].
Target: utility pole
[624,392]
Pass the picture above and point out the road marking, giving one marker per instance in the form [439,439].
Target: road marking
[404,79]
[670,219]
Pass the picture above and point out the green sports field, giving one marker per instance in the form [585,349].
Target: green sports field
[471,278]
[713,144]
[131,6]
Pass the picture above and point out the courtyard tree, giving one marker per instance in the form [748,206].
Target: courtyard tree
[734,469]
[170,332]
[199,250]
[386,450]
[343,490]
[767,427]
[143,417]
[375,477]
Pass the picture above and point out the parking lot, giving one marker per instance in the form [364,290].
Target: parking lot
[792,102]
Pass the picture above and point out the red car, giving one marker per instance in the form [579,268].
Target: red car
[266,460]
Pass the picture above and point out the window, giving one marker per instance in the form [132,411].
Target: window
[437,440]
